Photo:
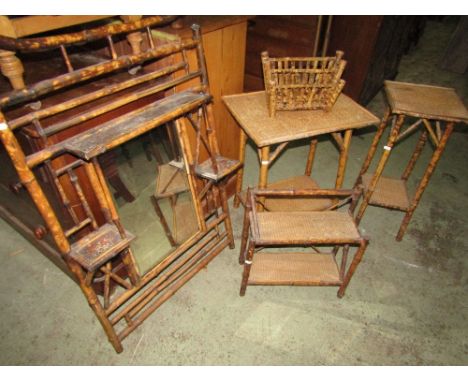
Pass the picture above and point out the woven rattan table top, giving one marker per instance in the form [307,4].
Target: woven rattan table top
[251,112]
[425,101]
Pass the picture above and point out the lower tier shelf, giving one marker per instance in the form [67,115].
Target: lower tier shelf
[294,269]
[389,192]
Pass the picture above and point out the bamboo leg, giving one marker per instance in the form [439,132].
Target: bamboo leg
[245,227]
[263,177]
[352,268]
[375,142]
[225,208]
[240,172]
[247,265]
[95,305]
[343,158]
[425,179]
[310,157]
[380,167]
[417,152]
[163,221]
[344,260]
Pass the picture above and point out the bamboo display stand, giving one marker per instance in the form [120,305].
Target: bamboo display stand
[91,248]
[264,230]
[436,110]
[302,83]
[272,135]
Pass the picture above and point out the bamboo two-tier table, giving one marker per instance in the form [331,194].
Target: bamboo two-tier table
[435,110]
[251,112]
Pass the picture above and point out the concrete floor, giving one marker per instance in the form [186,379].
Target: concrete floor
[407,303]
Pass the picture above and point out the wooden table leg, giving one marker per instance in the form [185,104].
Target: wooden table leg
[425,179]
[12,68]
[383,160]
[240,172]
[344,150]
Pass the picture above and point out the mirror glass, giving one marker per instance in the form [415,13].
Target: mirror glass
[152,194]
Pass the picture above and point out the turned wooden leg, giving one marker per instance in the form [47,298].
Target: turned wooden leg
[12,68]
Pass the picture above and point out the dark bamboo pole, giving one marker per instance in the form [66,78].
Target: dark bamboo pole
[416,154]
[375,142]
[425,179]
[28,179]
[344,150]
[310,157]
[240,172]
[383,160]
[247,266]
[245,227]
[352,268]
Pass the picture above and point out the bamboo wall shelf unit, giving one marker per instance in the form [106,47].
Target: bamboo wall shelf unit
[92,244]
[280,230]
[251,112]
[435,110]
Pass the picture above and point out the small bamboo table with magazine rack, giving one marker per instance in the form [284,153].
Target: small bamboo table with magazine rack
[251,112]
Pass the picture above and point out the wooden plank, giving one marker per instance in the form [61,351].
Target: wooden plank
[28,25]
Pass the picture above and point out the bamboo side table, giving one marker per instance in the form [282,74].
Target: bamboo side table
[251,112]
[436,110]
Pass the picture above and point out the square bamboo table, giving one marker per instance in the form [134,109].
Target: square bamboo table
[436,109]
[251,112]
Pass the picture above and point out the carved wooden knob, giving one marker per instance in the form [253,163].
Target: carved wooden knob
[40,232]
[16,187]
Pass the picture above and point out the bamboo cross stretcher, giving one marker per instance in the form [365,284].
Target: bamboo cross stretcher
[436,110]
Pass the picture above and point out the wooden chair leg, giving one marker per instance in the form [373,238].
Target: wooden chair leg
[352,268]
[425,180]
[247,266]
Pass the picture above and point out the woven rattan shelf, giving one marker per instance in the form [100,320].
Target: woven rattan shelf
[305,227]
[302,83]
[389,192]
[294,269]
[99,246]
[296,204]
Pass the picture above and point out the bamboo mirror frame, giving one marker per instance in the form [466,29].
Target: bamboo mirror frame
[157,84]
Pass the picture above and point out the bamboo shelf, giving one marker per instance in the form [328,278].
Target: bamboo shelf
[99,246]
[120,130]
[294,269]
[305,227]
[389,192]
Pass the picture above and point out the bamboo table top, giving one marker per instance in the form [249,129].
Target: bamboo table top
[425,101]
[251,112]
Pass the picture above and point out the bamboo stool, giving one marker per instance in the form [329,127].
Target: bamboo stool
[170,183]
[298,228]
[433,107]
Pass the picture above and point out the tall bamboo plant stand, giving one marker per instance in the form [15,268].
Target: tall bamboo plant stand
[436,110]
